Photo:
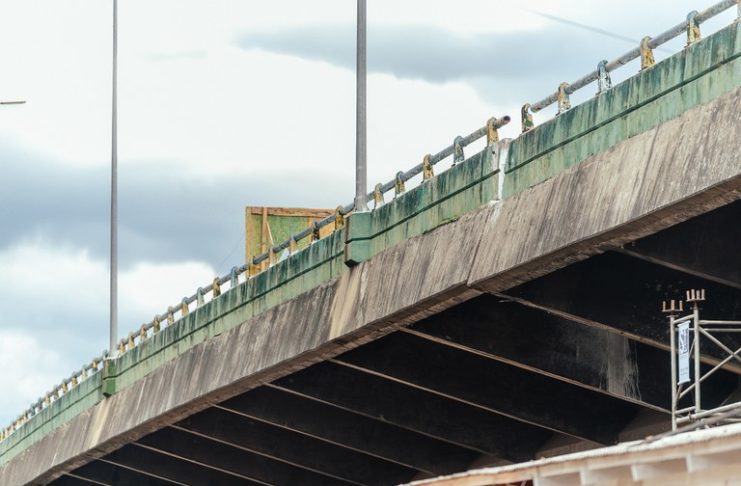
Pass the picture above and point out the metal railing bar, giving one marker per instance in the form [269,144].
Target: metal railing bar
[635,53]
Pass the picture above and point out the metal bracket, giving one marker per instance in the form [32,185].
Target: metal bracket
[170,316]
[458,155]
[216,287]
[156,324]
[377,196]
[693,29]
[492,133]
[315,234]
[399,187]
[292,245]
[695,296]
[234,278]
[647,54]
[184,310]
[564,103]
[339,218]
[427,172]
[527,118]
[253,268]
[672,307]
[604,82]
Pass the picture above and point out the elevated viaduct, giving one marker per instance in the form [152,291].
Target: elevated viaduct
[503,310]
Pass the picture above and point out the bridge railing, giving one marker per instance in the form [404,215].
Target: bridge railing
[242,273]
[690,26]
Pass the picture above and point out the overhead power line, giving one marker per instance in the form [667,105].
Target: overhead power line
[582,26]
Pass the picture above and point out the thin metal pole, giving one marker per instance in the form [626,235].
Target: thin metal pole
[361,169]
[114,192]
[698,378]
[673,357]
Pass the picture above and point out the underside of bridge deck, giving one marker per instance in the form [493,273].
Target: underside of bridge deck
[571,360]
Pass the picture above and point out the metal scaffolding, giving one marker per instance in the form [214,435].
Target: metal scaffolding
[687,335]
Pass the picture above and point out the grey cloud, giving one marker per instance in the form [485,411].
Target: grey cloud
[163,217]
[509,64]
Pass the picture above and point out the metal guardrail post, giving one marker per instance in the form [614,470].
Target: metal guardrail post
[604,82]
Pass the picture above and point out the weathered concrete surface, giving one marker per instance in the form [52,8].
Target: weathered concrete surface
[249,354]
[644,184]
[668,174]
[455,192]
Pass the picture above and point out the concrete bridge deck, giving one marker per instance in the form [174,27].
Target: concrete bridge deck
[504,310]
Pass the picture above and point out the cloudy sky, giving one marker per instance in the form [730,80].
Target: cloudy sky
[228,103]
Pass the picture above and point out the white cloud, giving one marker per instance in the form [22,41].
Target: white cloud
[148,288]
[428,126]
[54,302]
[30,370]
[62,280]
[40,272]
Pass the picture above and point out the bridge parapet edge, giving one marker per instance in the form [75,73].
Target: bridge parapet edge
[696,75]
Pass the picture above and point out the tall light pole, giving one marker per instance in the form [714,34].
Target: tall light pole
[114,192]
[361,153]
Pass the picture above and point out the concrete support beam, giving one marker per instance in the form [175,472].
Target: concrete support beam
[286,447]
[623,294]
[350,430]
[705,246]
[110,474]
[71,480]
[543,343]
[493,386]
[231,461]
[395,403]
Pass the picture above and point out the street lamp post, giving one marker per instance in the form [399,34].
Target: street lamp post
[361,170]
[113,334]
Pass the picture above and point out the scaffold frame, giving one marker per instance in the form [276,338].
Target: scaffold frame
[683,350]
